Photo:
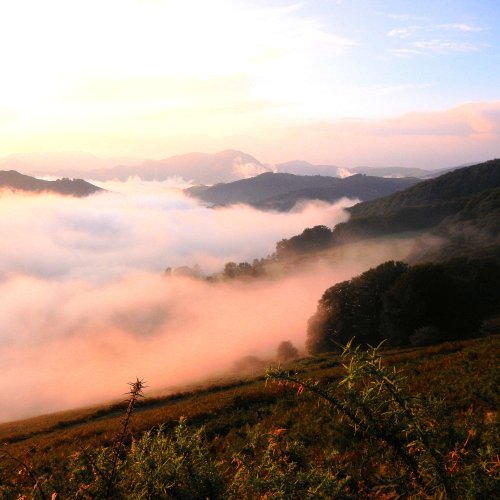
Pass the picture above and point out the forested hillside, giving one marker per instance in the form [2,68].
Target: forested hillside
[281,191]
[461,207]
[15,181]
[407,305]
[452,186]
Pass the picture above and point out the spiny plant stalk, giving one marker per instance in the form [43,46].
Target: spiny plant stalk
[376,405]
[134,394]
[345,410]
[374,367]
[385,379]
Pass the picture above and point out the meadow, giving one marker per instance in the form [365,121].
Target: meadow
[316,427]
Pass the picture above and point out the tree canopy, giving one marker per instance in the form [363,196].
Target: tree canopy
[407,304]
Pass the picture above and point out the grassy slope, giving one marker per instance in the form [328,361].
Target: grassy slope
[463,373]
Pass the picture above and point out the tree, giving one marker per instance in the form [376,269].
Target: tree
[352,309]
[310,240]
[452,298]
[286,351]
[417,305]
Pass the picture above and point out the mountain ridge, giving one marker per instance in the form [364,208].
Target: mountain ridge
[15,181]
[202,168]
[281,191]
[225,166]
[462,207]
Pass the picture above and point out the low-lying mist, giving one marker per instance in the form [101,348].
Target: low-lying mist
[108,235]
[86,307]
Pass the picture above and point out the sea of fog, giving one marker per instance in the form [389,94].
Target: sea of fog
[85,306]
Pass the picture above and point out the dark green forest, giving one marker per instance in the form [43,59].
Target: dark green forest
[407,305]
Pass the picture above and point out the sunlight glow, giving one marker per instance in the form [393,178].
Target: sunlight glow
[75,66]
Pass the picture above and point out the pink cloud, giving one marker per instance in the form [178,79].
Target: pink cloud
[434,139]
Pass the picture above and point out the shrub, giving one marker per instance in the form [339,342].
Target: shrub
[286,351]
[159,466]
[405,449]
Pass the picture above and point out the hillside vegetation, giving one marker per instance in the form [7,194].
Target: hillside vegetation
[15,181]
[282,191]
[407,305]
[323,430]
[469,195]
[459,211]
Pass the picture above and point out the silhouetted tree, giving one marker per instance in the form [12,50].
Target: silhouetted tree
[286,351]
[230,270]
[311,239]
[453,298]
[352,309]
[416,305]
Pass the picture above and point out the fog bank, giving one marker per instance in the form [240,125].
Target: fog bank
[86,308]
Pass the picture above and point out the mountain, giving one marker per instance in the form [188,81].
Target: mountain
[71,164]
[455,215]
[225,166]
[202,168]
[12,180]
[462,207]
[279,191]
[393,172]
[442,190]
[361,187]
[300,167]
[402,171]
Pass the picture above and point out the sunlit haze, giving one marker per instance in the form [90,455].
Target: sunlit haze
[82,279]
[342,82]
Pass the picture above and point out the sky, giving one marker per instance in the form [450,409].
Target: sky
[344,82]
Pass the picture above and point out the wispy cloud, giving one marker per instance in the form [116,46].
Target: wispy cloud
[407,17]
[404,53]
[459,27]
[467,133]
[444,46]
[421,39]
[403,32]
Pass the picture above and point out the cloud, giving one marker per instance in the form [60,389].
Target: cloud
[405,53]
[444,46]
[464,134]
[440,39]
[459,27]
[86,307]
[403,32]
[169,331]
[145,231]
[407,17]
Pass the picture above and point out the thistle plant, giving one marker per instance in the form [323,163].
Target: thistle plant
[371,399]
[134,395]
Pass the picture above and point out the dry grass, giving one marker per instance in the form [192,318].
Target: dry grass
[463,373]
